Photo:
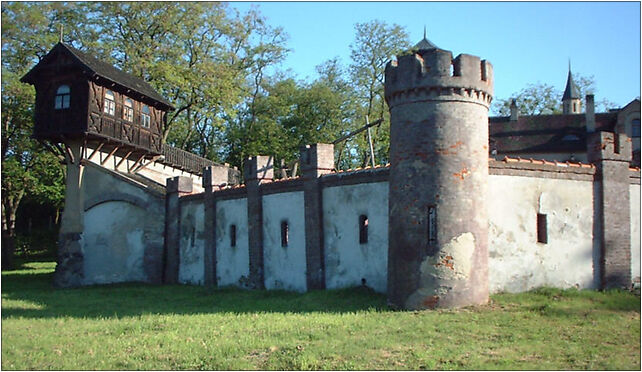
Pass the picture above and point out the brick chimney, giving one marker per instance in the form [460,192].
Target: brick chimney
[590,113]
[514,112]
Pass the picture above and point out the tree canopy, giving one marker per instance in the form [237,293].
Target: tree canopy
[221,70]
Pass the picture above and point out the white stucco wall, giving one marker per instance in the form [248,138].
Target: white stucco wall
[113,243]
[284,267]
[346,261]
[191,269]
[635,231]
[123,221]
[517,262]
[232,263]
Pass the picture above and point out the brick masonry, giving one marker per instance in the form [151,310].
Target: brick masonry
[257,170]
[316,160]
[438,179]
[611,154]
[176,187]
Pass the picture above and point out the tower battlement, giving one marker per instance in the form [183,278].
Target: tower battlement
[434,75]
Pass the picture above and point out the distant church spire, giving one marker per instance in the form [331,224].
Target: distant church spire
[571,99]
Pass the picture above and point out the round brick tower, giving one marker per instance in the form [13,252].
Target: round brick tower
[438,229]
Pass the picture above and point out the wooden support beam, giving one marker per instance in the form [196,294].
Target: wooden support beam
[83,149]
[109,155]
[122,160]
[143,166]
[100,146]
[55,152]
[70,155]
[129,169]
[368,125]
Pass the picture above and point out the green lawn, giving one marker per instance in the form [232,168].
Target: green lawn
[136,326]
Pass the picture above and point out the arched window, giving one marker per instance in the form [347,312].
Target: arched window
[128,109]
[145,117]
[110,103]
[635,128]
[63,96]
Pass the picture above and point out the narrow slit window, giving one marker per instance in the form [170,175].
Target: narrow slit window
[284,233]
[233,236]
[110,103]
[128,110]
[63,95]
[432,225]
[542,230]
[145,117]
[363,229]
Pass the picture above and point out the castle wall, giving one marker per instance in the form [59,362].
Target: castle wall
[192,241]
[284,266]
[347,262]
[635,232]
[517,262]
[232,263]
[122,240]
[124,227]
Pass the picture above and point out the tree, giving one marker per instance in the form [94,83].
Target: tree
[375,44]
[544,99]
[28,170]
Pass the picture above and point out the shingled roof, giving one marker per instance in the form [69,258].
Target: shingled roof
[545,133]
[102,69]
[571,91]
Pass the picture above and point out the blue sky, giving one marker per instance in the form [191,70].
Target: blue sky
[525,42]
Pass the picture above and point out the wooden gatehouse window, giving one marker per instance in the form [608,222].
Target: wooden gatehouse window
[145,117]
[63,96]
[128,110]
[110,103]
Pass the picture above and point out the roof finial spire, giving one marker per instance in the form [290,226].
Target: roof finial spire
[61,28]
[424,32]
[569,64]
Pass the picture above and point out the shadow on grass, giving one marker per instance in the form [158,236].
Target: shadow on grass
[30,294]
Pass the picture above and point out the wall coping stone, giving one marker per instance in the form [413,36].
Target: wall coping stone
[282,185]
[363,175]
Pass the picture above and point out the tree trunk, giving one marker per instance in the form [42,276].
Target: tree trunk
[9,208]
[8,239]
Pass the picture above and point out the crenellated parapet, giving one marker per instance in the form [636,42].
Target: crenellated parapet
[434,75]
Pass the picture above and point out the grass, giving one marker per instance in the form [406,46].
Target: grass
[136,326]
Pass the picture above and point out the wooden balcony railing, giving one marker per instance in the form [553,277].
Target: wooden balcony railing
[183,160]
